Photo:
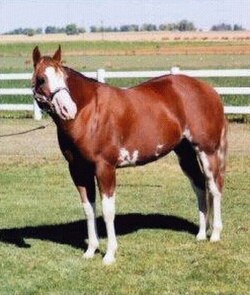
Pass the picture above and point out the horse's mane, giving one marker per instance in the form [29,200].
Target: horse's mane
[67,69]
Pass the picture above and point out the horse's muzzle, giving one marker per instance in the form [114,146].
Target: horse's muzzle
[59,102]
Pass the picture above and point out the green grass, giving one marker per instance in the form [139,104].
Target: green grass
[24,49]
[35,260]
[42,232]
[130,62]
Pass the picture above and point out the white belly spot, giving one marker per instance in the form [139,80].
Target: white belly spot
[126,158]
[158,149]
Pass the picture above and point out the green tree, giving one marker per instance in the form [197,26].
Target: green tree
[221,27]
[71,29]
[148,27]
[185,25]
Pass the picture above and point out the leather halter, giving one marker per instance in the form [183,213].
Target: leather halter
[40,98]
[56,91]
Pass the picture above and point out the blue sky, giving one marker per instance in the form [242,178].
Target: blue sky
[41,13]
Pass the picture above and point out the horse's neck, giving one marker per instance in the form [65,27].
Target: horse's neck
[81,88]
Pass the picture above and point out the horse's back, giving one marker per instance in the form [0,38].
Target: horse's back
[163,110]
[195,102]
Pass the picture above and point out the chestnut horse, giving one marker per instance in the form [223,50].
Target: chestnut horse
[101,128]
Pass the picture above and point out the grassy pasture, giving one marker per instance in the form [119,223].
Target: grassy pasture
[43,232]
[107,47]
[42,226]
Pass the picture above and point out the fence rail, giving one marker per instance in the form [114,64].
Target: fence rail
[101,75]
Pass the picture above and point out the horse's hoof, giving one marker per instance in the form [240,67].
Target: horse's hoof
[89,254]
[201,237]
[215,238]
[108,260]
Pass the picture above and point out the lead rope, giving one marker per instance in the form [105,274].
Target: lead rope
[26,131]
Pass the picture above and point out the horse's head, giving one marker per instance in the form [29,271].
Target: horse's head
[49,84]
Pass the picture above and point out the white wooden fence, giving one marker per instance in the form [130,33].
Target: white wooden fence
[101,75]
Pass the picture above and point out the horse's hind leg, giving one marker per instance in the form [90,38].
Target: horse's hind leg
[188,161]
[209,163]
[214,169]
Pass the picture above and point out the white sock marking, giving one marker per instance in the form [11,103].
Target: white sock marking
[93,243]
[201,197]
[217,222]
[108,207]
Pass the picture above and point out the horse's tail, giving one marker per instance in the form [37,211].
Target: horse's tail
[222,155]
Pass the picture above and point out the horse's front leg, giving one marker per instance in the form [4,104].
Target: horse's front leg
[85,183]
[105,174]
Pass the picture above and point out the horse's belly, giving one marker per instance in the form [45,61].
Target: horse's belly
[140,156]
[152,136]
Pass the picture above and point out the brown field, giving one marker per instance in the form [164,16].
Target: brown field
[189,49]
[195,42]
[132,36]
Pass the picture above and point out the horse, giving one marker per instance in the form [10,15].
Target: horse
[101,128]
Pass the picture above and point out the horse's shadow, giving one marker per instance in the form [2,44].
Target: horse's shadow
[74,233]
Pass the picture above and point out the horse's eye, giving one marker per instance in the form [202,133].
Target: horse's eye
[40,81]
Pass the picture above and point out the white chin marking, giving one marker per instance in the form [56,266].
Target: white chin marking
[64,105]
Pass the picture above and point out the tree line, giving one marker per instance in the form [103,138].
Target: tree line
[70,29]
[73,29]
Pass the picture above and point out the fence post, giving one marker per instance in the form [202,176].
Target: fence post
[101,75]
[37,111]
[175,70]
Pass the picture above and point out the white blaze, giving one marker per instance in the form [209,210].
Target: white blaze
[62,101]
[55,78]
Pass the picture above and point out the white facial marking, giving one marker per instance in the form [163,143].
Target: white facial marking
[127,159]
[108,209]
[64,105]
[55,78]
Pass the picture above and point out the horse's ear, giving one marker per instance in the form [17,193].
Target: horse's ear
[36,56]
[58,55]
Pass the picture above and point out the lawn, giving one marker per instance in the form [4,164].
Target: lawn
[42,225]
[43,229]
